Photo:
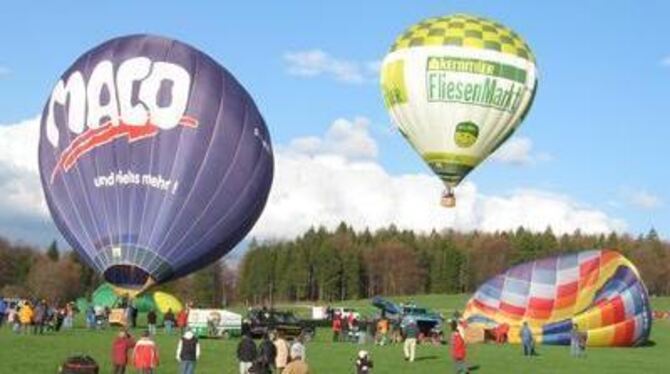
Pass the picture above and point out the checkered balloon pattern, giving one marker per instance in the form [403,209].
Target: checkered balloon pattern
[464,31]
[599,290]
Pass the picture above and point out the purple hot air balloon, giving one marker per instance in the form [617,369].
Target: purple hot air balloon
[154,160]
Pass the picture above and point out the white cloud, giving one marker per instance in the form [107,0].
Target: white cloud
[23,212]
[322,180]
[644,200]
[346,138]
[315,62]
[519,151]
[313,188]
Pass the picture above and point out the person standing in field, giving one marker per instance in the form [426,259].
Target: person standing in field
[120,347]
[458,349]
[151,321]
[26,315]
[168,321]
[382,330]
[297,364]
[281,347]
[267,353]
[411,331]
[182,320]
[363,363]
[246,353]
[3,310]
[337,328]
[145,354]
[188,353]
[527,340]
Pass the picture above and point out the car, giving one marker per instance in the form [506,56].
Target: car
[262,321]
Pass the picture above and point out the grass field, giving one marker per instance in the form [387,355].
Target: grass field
[42,354]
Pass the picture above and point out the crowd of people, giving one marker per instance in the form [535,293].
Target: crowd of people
[36,316]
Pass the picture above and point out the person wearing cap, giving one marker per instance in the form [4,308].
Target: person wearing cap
[188,352]
[145,354]
[411,331]
[120,347]
[363,363]
[297,364]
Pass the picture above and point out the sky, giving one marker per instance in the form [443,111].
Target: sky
[591,155]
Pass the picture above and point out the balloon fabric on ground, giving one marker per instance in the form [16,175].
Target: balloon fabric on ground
[154,160]
[457,87]
[599,290]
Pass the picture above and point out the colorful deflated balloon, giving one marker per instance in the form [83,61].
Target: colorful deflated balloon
[600,291]
[457,87]
[154,160]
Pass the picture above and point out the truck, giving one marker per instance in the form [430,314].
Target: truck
[214,323]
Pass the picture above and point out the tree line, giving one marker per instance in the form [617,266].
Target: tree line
[324,265]
[330,265]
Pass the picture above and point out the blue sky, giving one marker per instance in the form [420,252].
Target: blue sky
[598,128]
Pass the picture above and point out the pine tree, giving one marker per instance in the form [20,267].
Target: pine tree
[52,252]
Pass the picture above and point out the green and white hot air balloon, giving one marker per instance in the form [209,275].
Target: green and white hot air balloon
[457,87]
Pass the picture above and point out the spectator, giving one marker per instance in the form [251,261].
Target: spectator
[298,345]
[145,354]
[382,330]
[246,353]
[120,347]
[3,310]
[182,320]
[363,363]
[458,349]
[151,322]
[297,364]
[527,340]
[267,353]
[337,328]
[90,317]
[40,317]
[168,321]
[281,347]
[188,353]
[26,315]
[411,333]
[574,341]
[68,319]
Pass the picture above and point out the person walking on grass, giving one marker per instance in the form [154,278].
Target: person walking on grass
[123,343]
[188,353]
[577,341]
[246,353]
[458,349]
[527,340]
[411,332]
[337,328]
[145,355]
[151,322]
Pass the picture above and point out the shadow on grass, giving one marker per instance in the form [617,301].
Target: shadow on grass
[647,344]
[426,358]
[473,368]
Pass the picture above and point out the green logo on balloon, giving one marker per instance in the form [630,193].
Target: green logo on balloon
[466,134]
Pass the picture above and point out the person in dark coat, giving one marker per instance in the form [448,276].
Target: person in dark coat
[151,321]
[188,352]
[267,352]
[363,363]
[246,353]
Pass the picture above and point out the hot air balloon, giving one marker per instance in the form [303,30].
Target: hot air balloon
[457,87]
[154,160]
[599,290]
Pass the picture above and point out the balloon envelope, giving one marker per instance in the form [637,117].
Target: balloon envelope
[457,87]
[600,291]
[154,160]
[164,302]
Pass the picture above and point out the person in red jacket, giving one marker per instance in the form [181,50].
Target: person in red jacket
[145,354]
[337,328]
[458,349]
[182,320]
[120,347]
